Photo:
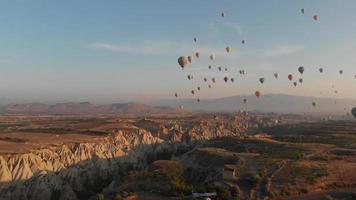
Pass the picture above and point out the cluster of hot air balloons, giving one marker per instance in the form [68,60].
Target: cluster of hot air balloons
[184,61]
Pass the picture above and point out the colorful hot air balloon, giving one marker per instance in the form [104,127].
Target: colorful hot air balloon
[190,59]
[182,61]
[290,77]
[301,69]
[212,57]
[228,49]
[262,80]
[226,79]
[258,94]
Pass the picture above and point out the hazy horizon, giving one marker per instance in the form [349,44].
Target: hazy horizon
[96,51]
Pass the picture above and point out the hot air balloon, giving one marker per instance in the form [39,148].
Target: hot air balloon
[212,57]
[316,17]
[258,94]
[243,41]
[213,80]
[176,95]
[353,111]
[198,88]
[314,104]
[228,49]
[275,75]
[226,78]
[301,69]
[341,72]
[335,91]
[209,67]
[302,10]
[197,54]
[232,79]
[182,61]
[295,84]
[195,39]
[262,80]
[300,80]
[198,100]
[355,76]
[290,77]
[220,68]
[245,100]
[181,107]
[205,79]
[190,77]
[193,92]
[225,69]
[321,70]
[190,59]
[222,14]
[209,86]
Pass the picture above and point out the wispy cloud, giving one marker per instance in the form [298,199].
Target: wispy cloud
[164,48]
[143,49]
[282,51]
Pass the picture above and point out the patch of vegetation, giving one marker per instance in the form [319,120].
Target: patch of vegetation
[164,177]
[309,174]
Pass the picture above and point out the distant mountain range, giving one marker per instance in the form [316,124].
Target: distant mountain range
[83,108]
[279,103]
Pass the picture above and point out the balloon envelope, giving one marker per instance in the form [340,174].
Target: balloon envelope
[353,111]
[182,61]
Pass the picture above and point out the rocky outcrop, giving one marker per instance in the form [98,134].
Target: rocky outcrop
[79,170]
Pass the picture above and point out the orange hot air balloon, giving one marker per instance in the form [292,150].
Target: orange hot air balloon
[258,94]
[290,77]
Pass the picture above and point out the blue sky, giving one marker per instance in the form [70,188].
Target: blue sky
[112,51]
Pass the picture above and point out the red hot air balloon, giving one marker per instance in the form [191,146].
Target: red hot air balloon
[290,77]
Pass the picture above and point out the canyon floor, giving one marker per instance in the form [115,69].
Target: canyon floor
[224,156]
